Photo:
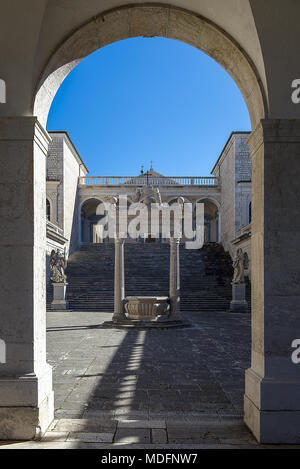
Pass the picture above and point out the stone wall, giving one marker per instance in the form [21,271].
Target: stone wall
[234,167]
[70,184]
[227,172]
[242,181]
[64,164]
[55,172]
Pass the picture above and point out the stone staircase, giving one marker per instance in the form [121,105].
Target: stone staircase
[205,276]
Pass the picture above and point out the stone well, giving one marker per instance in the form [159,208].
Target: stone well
[146,308]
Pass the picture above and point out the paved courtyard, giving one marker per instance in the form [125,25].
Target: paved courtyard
[158,388]
[146,374]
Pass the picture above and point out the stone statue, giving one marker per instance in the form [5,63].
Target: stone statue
[58,264]
[239,267]
[138,195]
[148,194]
[157,196]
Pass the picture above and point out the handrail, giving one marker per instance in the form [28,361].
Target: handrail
[152,180]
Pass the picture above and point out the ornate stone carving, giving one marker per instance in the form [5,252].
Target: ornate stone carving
[58,264]
[146,308]
[148,194]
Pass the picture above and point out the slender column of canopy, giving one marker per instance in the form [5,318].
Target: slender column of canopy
[174,278]
[119,283]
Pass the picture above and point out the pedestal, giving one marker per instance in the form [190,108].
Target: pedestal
[59,302]
[239,303]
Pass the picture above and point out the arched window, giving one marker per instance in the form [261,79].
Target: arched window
[48,209]
[249,212]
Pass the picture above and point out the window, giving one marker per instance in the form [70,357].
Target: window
[48,210]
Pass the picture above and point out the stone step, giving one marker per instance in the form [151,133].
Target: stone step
[91,276]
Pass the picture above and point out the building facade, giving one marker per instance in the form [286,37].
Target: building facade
[75,200]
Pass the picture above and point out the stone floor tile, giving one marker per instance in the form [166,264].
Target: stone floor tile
[132,435]
[86,425]
[91,437]
[55,436]
[157,424]
[159,436]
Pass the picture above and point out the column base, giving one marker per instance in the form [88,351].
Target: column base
[119,317]
[272,409]
[27,405]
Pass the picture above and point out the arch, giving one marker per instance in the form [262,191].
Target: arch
[176,197]
[82,230]
[210,199]
[219,221]
[151,20]
[90,198]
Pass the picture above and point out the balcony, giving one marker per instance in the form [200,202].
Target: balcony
[144,180]
[55,233]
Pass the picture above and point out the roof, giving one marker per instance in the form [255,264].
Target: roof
[64,132]
[236,132]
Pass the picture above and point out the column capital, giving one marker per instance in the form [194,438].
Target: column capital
[24,129]
[174,240]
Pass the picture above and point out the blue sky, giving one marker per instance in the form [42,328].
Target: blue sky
[145,99]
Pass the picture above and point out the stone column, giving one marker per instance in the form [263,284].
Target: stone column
[272,396]
[26,396]
[119,282]
[174,279]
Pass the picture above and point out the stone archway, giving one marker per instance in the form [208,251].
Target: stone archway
[272,402]
[89,219]
[150,21]
[215,217]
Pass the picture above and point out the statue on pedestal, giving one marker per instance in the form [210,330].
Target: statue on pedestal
[239,267]
[58,264]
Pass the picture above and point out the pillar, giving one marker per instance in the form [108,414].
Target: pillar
[119,281]
[174,279]
[26,396]
[272,395]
